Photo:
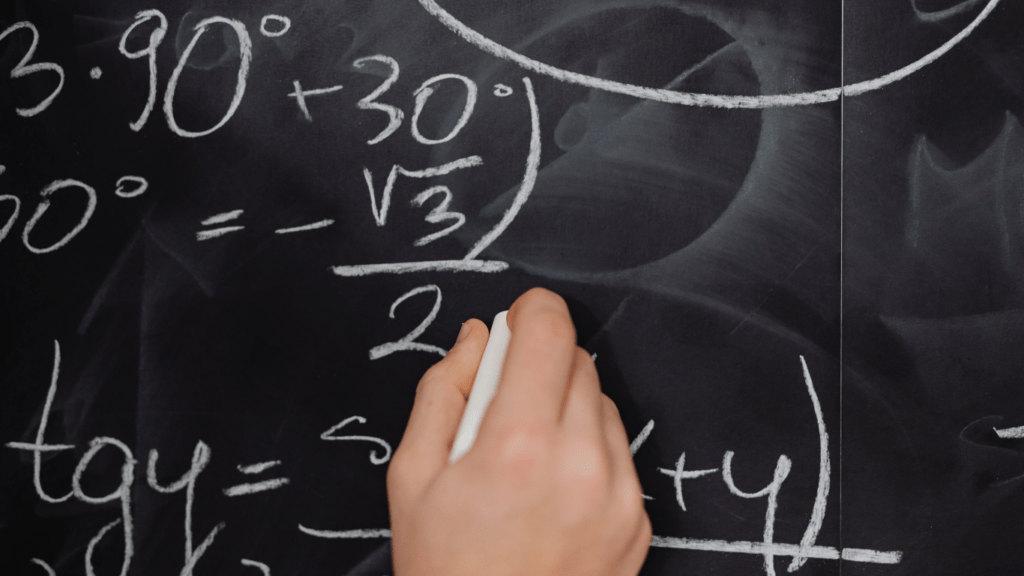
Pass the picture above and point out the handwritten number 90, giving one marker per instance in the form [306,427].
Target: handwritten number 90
[156,37]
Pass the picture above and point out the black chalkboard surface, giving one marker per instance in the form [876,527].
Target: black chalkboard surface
[234,234]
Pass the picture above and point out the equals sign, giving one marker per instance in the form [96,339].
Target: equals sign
[219,219]
[256,487]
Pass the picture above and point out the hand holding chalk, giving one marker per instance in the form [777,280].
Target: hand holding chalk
[484,386]
[532,476]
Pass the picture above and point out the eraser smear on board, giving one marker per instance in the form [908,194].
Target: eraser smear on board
[485,385]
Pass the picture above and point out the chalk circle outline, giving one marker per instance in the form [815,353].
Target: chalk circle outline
[142,182]
[697,99]
[286,21]
[502,90]
[14,215]
[45,205]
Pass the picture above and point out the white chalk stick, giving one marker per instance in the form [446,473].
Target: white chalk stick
[484,387]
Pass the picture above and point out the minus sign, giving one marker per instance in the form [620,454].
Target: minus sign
[313,226]
[1010,433]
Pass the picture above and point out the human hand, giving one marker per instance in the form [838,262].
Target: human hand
[548,488]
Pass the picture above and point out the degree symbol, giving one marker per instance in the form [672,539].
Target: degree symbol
[140,186]
[286,25]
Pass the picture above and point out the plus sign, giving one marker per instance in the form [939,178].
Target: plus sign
[680,474]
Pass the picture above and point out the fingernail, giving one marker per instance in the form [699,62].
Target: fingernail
[464,332]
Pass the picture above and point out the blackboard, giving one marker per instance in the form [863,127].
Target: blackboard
[234,234]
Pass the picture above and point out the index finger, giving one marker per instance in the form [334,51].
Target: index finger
[539,360]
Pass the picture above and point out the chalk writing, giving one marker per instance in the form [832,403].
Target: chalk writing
[469,263]
[380,214]
[369,102]
[140,183]
[423,94]
[300,97]
[1008,433]
[258,467]
[46,567]
[408,342]
[245,55]
[680,473]
[155,38]
[43,206]
[187,482]
[263,568]
[6,229]
[38,447]
[438,214]
[122,493]
[221,218]
[305,227]
[256,487]
[23,68]
[692,99]
[201,456]
[374,458]
[284,22]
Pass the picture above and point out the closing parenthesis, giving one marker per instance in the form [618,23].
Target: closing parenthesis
[373,453]
[45,205]
[245,50]
[14,215]
[24,68]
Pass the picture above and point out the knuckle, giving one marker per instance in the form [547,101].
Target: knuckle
[549,326]
[588,470]
[609,407]
[434,379]
[629,500]
[542,297]
[398,472]
[522,449]
[584,363]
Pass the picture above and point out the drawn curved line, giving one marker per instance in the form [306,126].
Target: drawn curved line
[44,566]
[258,565]
[690,98]
[373,453]
[940,15]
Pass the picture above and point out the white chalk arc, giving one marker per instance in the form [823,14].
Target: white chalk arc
[694,99]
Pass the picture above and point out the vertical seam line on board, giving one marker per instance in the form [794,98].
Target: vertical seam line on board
[842,240]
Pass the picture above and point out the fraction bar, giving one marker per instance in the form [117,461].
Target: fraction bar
[485,266]
[382,533]
[1017,432]
[761,548]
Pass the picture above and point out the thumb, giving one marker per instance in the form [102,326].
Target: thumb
[440,401]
